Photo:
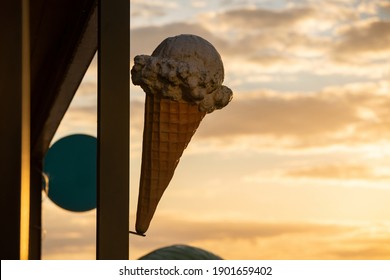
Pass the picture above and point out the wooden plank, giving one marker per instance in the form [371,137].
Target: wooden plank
[113,130]
[11,119]
[25,133]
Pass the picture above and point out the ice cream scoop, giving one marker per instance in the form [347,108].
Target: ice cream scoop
[182,80]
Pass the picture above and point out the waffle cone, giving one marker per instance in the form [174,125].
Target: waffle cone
[168,128]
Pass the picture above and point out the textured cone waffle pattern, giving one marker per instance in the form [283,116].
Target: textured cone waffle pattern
[168,128]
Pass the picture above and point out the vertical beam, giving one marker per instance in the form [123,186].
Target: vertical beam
[113,130]
[25,157]
[11,127]
[15,129]
[35,208]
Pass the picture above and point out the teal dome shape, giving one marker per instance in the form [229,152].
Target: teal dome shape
[180,252]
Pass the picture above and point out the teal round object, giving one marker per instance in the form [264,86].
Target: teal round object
[70,165]
[180,252]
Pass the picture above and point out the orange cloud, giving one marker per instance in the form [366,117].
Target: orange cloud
[279,115]
[363,39]
[67,235]
[150,9]
[262,240]
[291,40]
[338,171]
[326,118]
[384,7]
[145,39]
[347,115]
[264,18]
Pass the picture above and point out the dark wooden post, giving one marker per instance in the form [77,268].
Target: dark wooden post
[113,129]
[15,129]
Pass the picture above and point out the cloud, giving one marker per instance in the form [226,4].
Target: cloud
[348,115]
[75,238]
[68,235]
[369,39]
[280,48]
[249,230]
[150,9]
[370,243]
[290,48]
[264,18]
[252,32]
[145,39]
[264,48]
[384,7]
[374,250]
[78,119]
[278,115]
[300,120]
[136,114]
[324,118]
[337,171]
[194,231]
[301,39]
[267,240]
[198,3]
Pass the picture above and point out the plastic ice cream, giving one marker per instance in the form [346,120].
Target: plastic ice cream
[182,80]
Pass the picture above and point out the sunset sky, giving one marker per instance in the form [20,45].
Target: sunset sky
[297,166]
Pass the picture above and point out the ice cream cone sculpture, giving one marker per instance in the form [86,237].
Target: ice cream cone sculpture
[182,80]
